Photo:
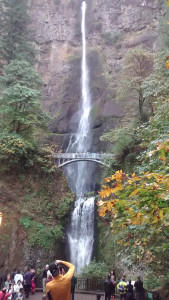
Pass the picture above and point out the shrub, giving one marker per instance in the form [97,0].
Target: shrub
[112,38]
[41,235]
[63,209]
[14,150]
[95,270]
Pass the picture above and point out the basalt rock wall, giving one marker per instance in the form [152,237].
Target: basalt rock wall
[113,27]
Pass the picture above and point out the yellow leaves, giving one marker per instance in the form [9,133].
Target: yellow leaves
[167,62]
[107,179]
[120,242]
[105,206]
[119,176]
[141,197]
[105,193]
[135,192]
[155,220]
[161,215]
[126,244]
[137,219]
[108,191]
[135,177]
[115,184]
[118,187]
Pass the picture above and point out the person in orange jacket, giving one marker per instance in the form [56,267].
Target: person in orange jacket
[59,288]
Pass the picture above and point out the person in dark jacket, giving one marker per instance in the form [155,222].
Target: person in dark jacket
[27,282]
[13,275]
[73,284]
[44,278]
[139,289]
[129,290]
[108,288]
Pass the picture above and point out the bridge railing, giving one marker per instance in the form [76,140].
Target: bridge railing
[82,155]
[91,284]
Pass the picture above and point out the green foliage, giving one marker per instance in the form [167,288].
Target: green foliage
[142,209]
[157,84]
[137,65]
[40,235]
[25,221]
[106,245]
[124,139]
[113,38]
[15,150]
[16,36]
[95,270]
[21,116]
[124,142]
[20,107]
[163,26]
[151,281]
[151,133]
[63,208]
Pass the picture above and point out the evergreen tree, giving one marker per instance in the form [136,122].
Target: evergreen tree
[15,42]
[20,106]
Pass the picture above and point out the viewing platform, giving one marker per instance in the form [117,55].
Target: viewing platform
[63,159]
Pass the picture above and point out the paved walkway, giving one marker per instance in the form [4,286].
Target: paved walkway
[38,296]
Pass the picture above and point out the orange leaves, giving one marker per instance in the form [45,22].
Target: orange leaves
[116,184]
[135,178]
[143,199]
[137,219]
[106,192]
[129,209]
[105,206]
[167,63]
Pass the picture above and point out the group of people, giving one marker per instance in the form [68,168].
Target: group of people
[125,289]
[17,285]
[59,283]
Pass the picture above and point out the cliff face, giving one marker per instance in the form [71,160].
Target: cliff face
[35,212]
[113,27]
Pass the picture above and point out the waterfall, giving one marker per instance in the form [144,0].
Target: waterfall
[81,229]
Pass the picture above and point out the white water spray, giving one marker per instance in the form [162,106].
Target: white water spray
[81,231]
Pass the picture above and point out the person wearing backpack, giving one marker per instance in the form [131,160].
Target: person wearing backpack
[122,289]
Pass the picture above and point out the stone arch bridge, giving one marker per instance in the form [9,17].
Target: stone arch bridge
[63,159]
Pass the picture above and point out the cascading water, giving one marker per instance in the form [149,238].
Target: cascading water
[81,230]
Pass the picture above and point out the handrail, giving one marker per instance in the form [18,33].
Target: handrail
[67,158]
